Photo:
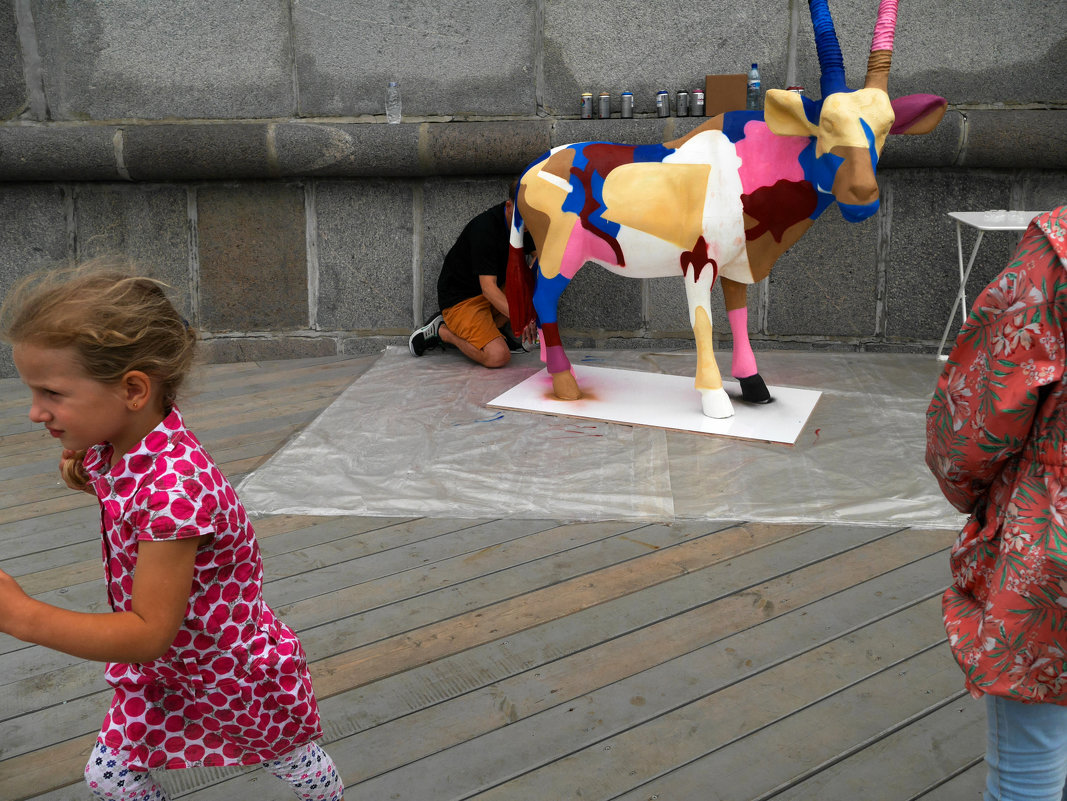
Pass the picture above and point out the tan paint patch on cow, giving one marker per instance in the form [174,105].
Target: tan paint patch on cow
[559,163]
[707,376]
[764,251]
[839,120]
[662,199]
[714,124]
[541,205]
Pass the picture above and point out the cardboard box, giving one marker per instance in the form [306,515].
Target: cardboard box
[725,93]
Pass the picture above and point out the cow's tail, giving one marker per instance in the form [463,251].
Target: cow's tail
[520,280]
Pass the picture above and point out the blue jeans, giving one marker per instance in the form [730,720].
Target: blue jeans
[1026,751]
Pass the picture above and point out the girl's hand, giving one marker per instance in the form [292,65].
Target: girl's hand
[72,471]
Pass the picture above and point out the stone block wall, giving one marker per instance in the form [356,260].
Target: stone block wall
[239,151]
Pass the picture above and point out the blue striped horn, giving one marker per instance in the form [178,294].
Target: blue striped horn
[831,63]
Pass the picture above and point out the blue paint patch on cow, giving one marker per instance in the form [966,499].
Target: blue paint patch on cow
[857,213]
[596,217]
[546,297]
[820,173]
[871,148]
[812,110]
[733,123]
[651,152]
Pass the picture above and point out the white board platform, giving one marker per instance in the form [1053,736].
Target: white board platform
[663,401]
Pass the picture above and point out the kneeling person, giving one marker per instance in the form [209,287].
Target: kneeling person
[470,290]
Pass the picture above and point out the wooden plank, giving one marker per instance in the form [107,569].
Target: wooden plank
[24,538]
[73,715]
[705,749]
[392,731]
[38,692]
[931,746]
[744,645]
[743,535]
[594,751]
[486,640]
[338,573]
[583,663]
[966,785]
[24,777]
[63,503]
[493,619]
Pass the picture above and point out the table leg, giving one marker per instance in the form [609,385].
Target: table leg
[961,295]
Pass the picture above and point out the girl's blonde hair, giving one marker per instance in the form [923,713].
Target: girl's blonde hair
[115,322]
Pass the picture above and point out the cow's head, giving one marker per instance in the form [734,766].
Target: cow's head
[849,127]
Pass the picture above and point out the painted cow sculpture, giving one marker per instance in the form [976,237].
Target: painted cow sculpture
[725,200]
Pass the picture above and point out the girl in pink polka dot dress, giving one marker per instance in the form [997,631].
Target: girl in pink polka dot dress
[203,671]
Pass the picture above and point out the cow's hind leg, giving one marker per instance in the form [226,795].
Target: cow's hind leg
[753,388]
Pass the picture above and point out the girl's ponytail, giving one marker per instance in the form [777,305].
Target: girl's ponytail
[73,472]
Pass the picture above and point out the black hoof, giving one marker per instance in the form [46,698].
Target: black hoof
[753,390]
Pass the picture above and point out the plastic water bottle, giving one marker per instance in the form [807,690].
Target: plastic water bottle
[754,100]
[392,102]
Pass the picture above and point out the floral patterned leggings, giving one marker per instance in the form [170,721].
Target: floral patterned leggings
[307,769]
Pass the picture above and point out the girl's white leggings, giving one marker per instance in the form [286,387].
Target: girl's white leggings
[307,769]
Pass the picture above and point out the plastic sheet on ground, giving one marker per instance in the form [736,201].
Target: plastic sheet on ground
[413,437]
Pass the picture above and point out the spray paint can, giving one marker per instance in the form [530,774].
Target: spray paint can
[663,103]
[587,106]
[681,103]
[604,106]
[698,103]
[626,100]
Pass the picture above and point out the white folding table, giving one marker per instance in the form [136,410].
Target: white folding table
[984,221]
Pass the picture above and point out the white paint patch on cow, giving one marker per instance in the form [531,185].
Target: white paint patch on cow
[724,220]
[553,179]
[646,256]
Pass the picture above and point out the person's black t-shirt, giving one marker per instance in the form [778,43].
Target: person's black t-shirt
[482,249]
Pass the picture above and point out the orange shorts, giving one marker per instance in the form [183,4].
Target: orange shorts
[473,320]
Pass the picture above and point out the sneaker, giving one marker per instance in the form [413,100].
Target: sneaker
[514,345]
[424,338]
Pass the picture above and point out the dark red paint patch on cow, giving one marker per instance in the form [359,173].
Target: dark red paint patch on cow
[777,208]
[550,334]
[698,259]
[604,157]
[601,159]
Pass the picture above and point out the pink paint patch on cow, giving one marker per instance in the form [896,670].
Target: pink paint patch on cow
[556,359]
[581,247]
[744,360]
[767,158]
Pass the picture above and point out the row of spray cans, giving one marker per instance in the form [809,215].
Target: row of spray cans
[686,104]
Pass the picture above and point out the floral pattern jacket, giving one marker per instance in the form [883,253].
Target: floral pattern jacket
[996,436]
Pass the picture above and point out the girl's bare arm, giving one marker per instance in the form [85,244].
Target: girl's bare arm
[161,586]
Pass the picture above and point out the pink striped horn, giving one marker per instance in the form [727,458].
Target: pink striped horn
[882,46]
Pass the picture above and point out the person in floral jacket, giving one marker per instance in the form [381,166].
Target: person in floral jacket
[997,443]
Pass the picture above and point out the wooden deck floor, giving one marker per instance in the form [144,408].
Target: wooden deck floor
[527,660]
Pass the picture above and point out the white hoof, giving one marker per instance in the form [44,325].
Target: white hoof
[716,403]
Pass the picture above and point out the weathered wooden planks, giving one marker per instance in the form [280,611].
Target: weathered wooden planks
[499,659]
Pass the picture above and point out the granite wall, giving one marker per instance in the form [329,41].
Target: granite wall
[240,152]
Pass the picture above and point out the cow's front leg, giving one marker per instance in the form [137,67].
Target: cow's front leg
[743,365]
[546,302]
[714,401]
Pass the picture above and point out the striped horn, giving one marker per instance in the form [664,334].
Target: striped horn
[831,63]
[882,46]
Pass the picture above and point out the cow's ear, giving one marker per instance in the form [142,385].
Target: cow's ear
[917,114]
[786,115]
